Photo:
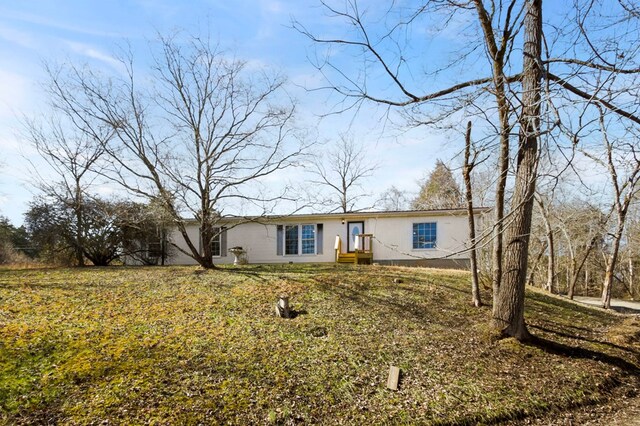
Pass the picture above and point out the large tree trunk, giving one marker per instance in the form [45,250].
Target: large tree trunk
[508,314]
[207,234]
[466,173]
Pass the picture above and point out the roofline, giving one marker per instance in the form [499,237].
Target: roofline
[356,215]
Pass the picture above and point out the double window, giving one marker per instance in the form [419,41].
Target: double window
[424,235]
[299,239]
[296,240]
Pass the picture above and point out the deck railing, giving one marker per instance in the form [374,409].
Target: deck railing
[362,253]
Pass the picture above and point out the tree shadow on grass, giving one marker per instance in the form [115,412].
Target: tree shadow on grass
[568,305]
[562,349]
[415,306]
[625,310]
[255,275]
[585,339]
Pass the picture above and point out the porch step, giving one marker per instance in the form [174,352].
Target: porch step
[346,257]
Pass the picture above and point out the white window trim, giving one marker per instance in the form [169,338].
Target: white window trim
[299,226]
[426,248]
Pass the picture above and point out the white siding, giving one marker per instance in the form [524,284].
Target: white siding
[393,238]
[179,258]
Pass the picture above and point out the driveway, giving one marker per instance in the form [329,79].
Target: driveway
[622,306]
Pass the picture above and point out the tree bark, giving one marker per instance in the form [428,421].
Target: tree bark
[508,314]
[497,55]
[534,265]
[79,213]
[466,173]
[578,269]
[496,259]
[586,281]
[611,263]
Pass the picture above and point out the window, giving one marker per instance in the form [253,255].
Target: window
[424,235]
[298,239]
[154,249]
[216,242]
[291,239]
[308,239]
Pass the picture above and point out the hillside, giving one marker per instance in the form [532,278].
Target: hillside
[183,345]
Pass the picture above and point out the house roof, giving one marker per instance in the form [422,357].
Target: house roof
[356,215]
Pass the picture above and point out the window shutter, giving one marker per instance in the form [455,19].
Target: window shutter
[223,242]
[279,239]
[319,238]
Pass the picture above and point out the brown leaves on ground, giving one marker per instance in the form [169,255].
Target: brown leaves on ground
[165,345]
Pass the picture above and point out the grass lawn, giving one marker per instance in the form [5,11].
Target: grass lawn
[185,346]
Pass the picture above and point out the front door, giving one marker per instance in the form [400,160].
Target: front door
[353,229]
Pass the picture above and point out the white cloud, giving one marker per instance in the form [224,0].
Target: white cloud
[20,38]
[93,53]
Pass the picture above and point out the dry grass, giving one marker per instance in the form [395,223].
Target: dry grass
[180,345]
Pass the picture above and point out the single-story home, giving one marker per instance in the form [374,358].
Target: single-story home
[436,238]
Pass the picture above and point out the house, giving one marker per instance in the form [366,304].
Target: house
[436,238]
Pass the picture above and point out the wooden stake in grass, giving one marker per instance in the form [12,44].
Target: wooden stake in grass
[394,377]
[282,307]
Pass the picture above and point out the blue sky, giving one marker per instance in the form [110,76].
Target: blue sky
[36,31]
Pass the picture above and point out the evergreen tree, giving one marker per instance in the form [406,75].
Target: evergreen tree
[439,190]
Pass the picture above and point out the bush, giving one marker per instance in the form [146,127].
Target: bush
[9,255]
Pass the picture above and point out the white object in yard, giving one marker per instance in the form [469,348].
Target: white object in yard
[394,377]
[238,254]
[337,245]
[356,242]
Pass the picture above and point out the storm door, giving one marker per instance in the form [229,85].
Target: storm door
[353,229]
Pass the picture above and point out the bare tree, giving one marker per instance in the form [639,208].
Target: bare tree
[469,164]
[499,30]
[519,96]
[632,251]
[582,226]
[73,159]
[343,170]
[545,214]
[394,199]
[622,161]
[508,313]
[200,139]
